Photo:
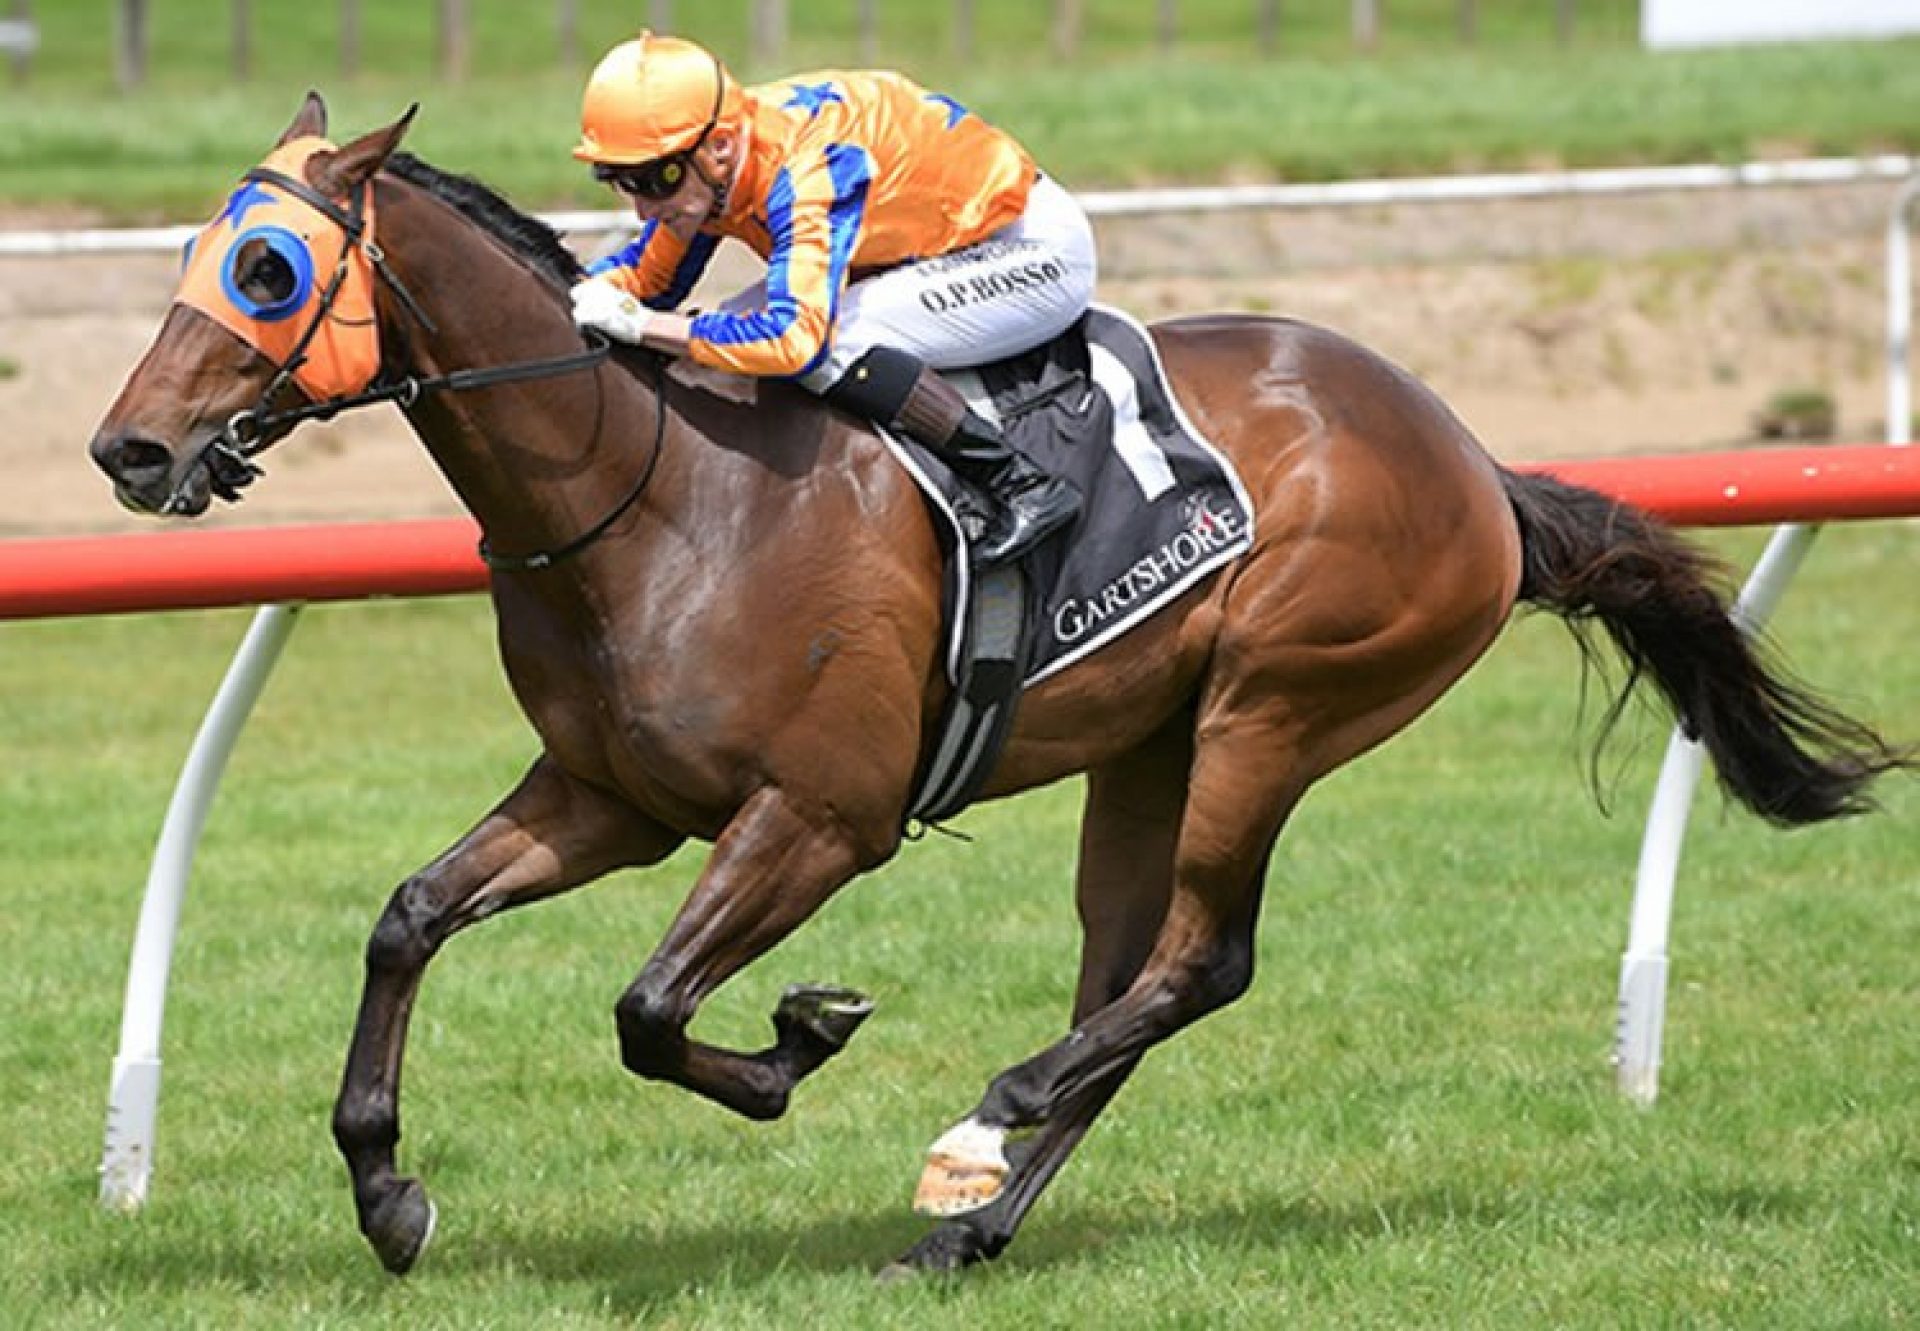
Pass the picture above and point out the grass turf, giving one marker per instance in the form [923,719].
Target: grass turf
[1409,1121]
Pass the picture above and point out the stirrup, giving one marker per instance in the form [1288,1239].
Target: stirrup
[1018,528]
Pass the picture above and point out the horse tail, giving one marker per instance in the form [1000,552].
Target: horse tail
[1780,750]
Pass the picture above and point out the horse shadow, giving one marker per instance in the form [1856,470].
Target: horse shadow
[640,1270]
[642,1278]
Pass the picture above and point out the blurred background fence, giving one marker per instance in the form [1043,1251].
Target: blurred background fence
[454,39]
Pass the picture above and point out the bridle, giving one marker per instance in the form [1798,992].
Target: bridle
[228,456]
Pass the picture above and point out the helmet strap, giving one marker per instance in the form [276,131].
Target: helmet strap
[721,187]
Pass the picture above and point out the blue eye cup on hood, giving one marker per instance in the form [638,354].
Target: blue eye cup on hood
[284,245]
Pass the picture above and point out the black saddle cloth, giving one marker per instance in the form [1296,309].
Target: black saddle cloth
[1163,507]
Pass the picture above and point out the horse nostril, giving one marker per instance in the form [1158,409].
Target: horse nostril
[131,460]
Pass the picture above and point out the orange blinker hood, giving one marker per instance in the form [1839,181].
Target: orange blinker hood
[263,269]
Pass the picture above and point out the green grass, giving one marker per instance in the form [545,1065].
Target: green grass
[1122,115]
[191,42]
[1408,1122]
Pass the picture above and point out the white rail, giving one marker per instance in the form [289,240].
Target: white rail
[1223,198]
[133,1100]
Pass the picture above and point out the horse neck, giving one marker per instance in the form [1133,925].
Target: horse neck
[537,462]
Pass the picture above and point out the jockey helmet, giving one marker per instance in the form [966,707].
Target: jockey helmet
[653,97]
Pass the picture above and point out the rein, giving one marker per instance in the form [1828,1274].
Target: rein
[228,456]
[548,558]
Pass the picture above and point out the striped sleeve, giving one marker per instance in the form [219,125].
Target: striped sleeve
[657,267]
[815,212]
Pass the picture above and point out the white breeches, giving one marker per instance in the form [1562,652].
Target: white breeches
[1018,288]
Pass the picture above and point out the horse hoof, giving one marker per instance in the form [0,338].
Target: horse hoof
[966,1170]
[947,1251]
[826,1012]
[401,1227]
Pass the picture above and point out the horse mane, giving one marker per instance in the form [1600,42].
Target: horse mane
[528,237]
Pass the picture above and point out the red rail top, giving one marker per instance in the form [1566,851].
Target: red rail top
[186,570]
[182,570]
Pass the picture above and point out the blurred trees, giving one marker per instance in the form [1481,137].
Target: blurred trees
[453,38]
[242,39]
[768,26]
[20,38]
[767,32]
[1366,24]
[130,43]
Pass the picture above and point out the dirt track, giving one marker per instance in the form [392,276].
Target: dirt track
[1555,329]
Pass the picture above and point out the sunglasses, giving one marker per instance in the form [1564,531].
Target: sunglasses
[654,181]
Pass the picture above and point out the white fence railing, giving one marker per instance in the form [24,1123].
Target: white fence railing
[1205,199]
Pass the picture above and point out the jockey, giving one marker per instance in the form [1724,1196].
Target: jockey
[902,235]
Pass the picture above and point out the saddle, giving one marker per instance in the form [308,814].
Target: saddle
[1163,508]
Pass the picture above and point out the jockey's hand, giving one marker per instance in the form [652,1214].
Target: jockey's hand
[599,303]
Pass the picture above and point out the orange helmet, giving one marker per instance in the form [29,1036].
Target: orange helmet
[652,97]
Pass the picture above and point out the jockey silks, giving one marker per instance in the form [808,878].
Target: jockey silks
[844,173]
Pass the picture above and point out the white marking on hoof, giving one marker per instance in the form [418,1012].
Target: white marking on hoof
[966,1170]
[852,1006]
[433,1222]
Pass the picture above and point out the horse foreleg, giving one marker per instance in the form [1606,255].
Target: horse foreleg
[773,866]
[1202,959]
[1125,880]
[551,834]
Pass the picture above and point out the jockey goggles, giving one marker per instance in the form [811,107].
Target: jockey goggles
[661,179]
[654,181]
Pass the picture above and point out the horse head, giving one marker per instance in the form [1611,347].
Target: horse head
[274,311]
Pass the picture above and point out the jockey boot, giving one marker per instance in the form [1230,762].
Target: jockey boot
[901,392]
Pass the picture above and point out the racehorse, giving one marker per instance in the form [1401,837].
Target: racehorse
[721,614]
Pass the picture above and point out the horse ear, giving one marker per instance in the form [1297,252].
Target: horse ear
[309,123]
[342,172]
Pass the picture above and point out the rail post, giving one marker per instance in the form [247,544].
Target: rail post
[1641,1007]
[133,1100]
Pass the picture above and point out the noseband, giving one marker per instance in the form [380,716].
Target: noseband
[228,456]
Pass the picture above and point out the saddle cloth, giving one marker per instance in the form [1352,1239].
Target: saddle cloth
[1162,506]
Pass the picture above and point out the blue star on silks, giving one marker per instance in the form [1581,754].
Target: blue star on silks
[955,112]
[249,195]
[810,97]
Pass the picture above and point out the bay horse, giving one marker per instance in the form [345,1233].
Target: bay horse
[722,619]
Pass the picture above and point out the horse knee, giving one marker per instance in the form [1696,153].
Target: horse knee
[652,1022]
[405,937]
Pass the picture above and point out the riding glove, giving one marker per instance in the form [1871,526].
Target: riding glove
[598,303]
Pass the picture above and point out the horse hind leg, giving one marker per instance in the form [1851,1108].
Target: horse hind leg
[1266,729]
[1125,881]
[1245,781]
[549,835]
[777,862]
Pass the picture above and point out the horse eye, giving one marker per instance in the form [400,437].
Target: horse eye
[263,273]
